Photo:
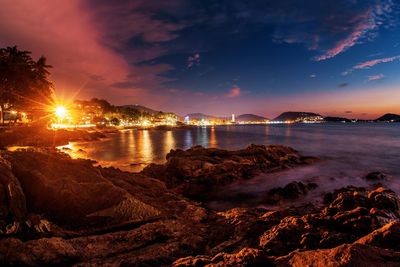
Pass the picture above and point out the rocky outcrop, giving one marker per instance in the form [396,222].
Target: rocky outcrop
[354,228]
[197,171]
[81,196]
[245,257]
[375,176]
[39,135]
[55,211]
[291,191]
[344,255]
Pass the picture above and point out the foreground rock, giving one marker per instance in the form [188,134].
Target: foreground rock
[197,171]
[55,211]
[291,191]
[344,255]
[355,228]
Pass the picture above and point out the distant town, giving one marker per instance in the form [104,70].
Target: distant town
[100,113]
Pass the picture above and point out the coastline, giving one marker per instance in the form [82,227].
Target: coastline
[55,207]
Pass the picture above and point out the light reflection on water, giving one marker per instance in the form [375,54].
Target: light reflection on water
[349,150]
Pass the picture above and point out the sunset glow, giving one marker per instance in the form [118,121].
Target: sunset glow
[136,52]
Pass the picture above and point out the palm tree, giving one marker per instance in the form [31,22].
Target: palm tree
[23,81]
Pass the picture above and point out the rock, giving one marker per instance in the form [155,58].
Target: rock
[344,255]
[12,198]
[283,238]
[197,171]
[375,176]
[245,257]
[386,237]
[61,212]
[81,196]
[40,136]
[385,199]
[291,191]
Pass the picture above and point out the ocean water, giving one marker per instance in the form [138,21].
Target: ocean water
[348,151]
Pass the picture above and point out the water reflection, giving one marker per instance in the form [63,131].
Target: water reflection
[358,146]
[188,139]
[169,142]
[213,138]
[202,136]
[145,146]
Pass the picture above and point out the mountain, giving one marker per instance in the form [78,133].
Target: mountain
[389,117]
[250,117]
[200,116]
[296,116]
[336,119]
[142,109]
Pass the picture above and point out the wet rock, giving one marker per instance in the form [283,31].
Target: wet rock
[80,196]
[344,255]
[386,237]
[291,191]
[197,171]
[283,238]
[12,198]
[385,199]
[375,176]
[245,257]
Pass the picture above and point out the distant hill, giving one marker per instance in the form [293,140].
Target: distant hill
[293,116]
[389,117]
[200,116]
[336,119]
[250,117]
[142,108]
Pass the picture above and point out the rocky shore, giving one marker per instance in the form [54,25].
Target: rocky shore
[56,211]
[40,136]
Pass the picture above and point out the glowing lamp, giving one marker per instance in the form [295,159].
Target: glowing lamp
[61,112]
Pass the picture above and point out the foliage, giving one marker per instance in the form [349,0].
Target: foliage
[24,82]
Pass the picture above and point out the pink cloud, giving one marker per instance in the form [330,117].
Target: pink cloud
[193,60]
[371,63]
[376,77]
[234,92]
[359,31]
[83,43]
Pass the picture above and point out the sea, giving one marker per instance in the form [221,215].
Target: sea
[348,151]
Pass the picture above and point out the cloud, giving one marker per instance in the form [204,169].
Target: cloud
[348,112]
[345,84]
[370,63]
[193,60]
[355,36]
[376,77]
[234,92]
[332,27]
[89,44]
[312,76]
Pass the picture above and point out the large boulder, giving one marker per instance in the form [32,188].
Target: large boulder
[197,171]
[291,191]
[387,236]
[245,257]
[344,255]
[73,192]
[12,199]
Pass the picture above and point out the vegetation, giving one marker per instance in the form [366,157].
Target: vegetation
[23,81]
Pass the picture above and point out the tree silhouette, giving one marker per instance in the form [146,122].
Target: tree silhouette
[24,82]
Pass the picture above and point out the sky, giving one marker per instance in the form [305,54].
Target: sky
[334,57]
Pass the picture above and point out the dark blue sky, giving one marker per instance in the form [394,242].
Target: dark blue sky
[338,57]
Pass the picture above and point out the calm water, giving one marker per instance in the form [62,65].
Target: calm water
[349,151]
